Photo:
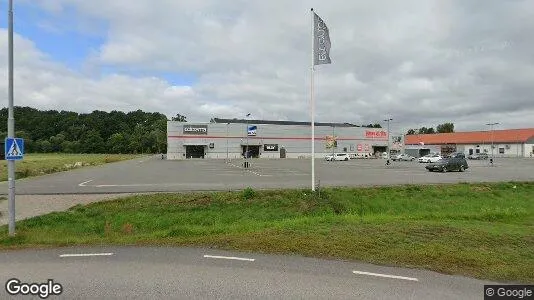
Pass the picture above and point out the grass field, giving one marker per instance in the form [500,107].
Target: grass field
[39,164]
[479,230]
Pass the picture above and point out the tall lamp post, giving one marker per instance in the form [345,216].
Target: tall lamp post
[491,128]
[389,151]
[246,148]
[227,141]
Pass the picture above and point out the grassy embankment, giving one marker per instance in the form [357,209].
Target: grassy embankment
[478,230]
[40,164]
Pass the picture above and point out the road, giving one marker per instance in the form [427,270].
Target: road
[156,175]
[193,273]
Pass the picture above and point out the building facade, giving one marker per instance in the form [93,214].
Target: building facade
[500,143]
[232,138]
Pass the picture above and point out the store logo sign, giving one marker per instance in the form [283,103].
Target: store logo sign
[195,129]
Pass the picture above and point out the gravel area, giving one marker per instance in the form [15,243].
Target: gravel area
[27,206]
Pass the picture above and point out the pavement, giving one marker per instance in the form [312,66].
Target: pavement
[196,273]
[156,175]
[60,191]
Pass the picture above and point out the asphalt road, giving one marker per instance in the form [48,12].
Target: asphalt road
[190,273]
[156,175]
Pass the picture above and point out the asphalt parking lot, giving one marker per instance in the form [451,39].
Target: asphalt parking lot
[156,175]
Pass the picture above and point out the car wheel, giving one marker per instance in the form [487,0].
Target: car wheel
[462,168]
[346,158]
[444,169]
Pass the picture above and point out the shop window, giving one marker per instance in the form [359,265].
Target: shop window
[501,150]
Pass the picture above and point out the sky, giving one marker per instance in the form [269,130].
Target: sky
[420,63]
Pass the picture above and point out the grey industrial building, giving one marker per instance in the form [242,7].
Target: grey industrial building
[230,138]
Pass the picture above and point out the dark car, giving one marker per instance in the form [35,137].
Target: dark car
[448,164]
[478,156]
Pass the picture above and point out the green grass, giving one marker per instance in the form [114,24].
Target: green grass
[40,164]
[479,230]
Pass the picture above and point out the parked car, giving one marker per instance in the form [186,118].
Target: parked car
[434,158]
[478,156]
[424,159]
[404,157]
[337,156]
[448,164]
[455,155]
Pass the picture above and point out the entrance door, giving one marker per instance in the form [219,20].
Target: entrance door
[253,151]
[423,152]
[470,151]
[282,152]
[194,151]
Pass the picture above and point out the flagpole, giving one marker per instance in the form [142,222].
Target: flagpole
[312,102]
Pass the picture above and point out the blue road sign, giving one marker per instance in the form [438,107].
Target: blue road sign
[14,148]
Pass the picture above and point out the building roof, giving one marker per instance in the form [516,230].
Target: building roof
[243,121]
[473,137]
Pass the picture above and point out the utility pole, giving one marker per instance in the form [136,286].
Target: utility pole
[389,151]
[492,155]
[246,148]
[227,141]
[11,124]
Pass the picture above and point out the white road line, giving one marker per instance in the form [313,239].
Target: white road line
[83,183]
[85,254]
[229,257]
[385,275]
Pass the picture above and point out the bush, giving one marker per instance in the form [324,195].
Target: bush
[248,193]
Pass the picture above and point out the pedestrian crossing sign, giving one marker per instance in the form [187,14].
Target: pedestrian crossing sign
[14,149]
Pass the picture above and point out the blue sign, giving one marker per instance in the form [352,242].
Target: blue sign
[252,130]
[14,149]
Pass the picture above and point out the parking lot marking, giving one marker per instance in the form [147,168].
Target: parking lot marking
[229,257]
[85,182]
[85,254]
[385,275]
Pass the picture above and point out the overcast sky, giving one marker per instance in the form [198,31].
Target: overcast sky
[421,63]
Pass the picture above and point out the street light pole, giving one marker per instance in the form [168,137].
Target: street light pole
[491,127]
[227,141]
[246,148]
[11,124]
[389,151]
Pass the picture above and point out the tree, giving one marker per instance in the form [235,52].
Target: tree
[445,128]
[179,118]
[424,130]
[92,142]
[411,131]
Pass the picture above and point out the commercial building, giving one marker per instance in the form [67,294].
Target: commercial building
[506,143]
[230,138]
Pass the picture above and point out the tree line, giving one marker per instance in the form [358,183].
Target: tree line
[95,132]
[441,128]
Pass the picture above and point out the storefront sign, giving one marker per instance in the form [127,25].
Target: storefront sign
[373,134]
[360,147]
[252,130]
[270,147]
[195,129]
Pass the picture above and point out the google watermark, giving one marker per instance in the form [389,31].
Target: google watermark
[523,292]
[44,290]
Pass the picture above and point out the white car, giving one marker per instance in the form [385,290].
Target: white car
[434,158]
[426,158]
[337,156]
[404,157]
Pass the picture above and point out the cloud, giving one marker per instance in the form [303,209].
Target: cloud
[422,63]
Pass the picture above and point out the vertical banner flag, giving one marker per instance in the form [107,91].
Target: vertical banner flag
[320,55]
[321,41]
